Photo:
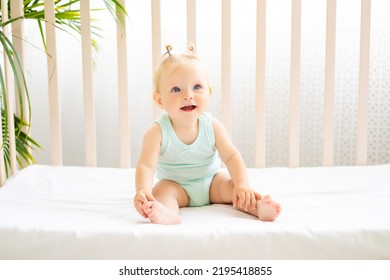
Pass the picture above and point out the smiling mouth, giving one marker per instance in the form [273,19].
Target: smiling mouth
[188,108]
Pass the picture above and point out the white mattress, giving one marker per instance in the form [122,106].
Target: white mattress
[87,213]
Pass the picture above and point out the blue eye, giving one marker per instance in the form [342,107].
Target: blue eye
[175,89]
[197,87]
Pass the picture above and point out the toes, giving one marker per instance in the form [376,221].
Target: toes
[148,211]
[145,205]
[154,217]
[144,214]
[148,208]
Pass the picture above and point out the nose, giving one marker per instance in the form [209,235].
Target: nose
[188,95]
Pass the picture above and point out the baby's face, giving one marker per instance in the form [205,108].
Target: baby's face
[184,91]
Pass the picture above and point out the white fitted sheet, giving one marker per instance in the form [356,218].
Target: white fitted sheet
[51,212]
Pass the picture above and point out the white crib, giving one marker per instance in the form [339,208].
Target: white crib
[73,212]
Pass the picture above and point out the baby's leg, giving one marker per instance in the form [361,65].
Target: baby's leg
[170,197]
[221,191]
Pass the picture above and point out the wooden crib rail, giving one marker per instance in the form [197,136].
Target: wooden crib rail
[123,89]
[330,59]
[362,127]
[192,17]
[54,102]
[260,84]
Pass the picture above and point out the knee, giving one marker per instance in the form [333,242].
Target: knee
[158,189]
[165,187]
[226,191]
[221,190]
[168,190]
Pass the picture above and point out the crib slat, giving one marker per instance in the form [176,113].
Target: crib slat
[327,151]
[294,122]
[362,123]
[54,104]
[10,96]
[89,102]
[18,32]
[156,43]
[260,84]
[226,66]
[18,42]
[124,121]
[191,23]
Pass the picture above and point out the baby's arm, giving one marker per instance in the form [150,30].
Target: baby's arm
[243,195]
[146,167]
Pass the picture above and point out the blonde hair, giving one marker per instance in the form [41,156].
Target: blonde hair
[168,59]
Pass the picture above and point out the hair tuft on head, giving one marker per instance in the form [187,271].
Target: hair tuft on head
[191,48]
[169,49]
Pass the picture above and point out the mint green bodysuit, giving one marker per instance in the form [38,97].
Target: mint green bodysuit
[192,166]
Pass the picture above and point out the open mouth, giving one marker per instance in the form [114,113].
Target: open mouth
[188,108]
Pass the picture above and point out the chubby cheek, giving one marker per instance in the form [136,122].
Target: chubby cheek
[203,100]
[170,105]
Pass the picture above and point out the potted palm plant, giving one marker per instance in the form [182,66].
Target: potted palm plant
[67,14]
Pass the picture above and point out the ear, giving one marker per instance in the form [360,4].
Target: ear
[157,99]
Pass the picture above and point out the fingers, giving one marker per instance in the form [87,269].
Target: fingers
[142,212]
[235,200]
[253,201]
[239,200]
[140,199]
[258,196]
[245,200]
[250,201]
[150,197]
[138,207]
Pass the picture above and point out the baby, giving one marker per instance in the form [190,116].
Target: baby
[185,147]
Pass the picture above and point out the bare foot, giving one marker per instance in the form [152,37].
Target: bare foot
[267,210]
[159,214]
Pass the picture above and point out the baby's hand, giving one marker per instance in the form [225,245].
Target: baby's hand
[244,197]
[140,198]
